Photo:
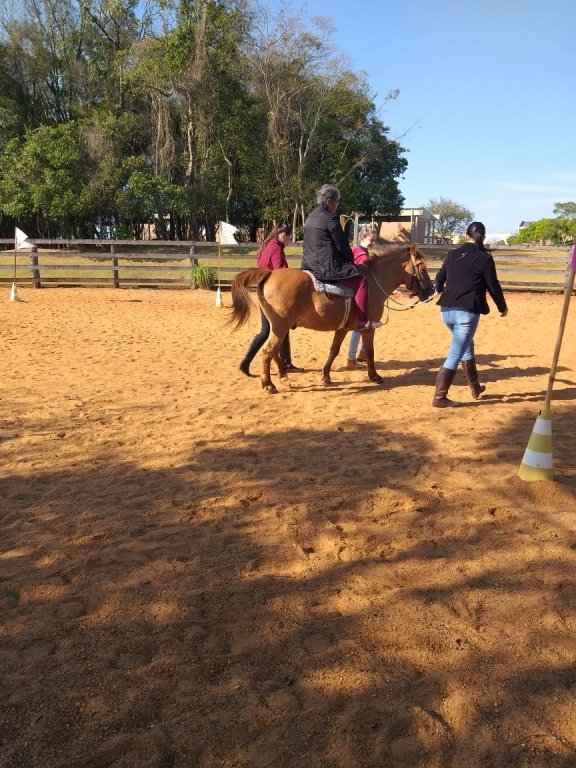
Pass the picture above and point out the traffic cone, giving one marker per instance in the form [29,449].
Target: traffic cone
[537,461]
[219,302]
[14,293]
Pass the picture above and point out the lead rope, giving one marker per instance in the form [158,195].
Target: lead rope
[404,307]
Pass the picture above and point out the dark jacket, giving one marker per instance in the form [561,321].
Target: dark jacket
[465,276]
[327,253]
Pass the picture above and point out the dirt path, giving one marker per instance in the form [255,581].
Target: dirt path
[195,574]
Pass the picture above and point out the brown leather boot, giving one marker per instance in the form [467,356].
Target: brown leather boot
[471,373]
[444,379]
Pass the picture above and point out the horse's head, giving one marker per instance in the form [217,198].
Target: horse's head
[418,280]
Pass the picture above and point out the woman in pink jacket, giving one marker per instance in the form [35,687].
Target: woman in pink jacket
[367,237]
[271,256]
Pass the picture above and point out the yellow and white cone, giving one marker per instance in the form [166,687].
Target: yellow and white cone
[14,293]
[219,302]
[537,462]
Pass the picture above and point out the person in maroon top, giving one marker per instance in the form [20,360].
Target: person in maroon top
[271,256]
[366,238]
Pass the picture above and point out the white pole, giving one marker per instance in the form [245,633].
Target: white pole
[219,302]
[537,463]
[14,290]
[567,294]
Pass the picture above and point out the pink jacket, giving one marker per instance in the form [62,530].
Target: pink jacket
[272,257]
[360,254]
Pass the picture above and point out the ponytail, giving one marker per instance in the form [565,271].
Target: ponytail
[277,229]
[477,232]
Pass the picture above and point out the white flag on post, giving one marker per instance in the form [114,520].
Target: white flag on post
[226,232]
[22,240]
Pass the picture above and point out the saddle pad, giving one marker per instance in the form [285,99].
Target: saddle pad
[334,288]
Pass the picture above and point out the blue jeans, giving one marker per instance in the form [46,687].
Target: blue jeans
[353,345]
[462,324]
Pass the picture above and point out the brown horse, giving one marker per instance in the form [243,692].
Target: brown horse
[288,299]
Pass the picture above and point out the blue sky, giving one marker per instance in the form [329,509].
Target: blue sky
[487,104]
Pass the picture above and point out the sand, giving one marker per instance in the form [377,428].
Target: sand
[194,573]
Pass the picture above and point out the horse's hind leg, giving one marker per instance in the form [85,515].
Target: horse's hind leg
[267,355]
[368,343]
[334,350]
[272,352]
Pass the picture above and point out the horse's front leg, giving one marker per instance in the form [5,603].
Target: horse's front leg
[334,350]
[368,344]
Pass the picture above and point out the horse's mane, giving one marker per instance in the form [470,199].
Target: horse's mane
[388,251]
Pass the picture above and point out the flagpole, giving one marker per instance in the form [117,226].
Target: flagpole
[219,262]
[226,236]
[219,301]
[14,290]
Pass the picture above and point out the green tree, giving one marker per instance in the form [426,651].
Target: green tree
[187,111]
[13,102]
[321,122]
[453,218]
[41,180]
[565,210]
[546,232]
[202,122]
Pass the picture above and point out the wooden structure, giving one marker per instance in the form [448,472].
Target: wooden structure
[170,264]
[413,225]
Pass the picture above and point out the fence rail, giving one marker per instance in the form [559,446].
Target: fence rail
[129,263]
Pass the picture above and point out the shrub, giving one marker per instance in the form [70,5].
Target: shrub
[203,277]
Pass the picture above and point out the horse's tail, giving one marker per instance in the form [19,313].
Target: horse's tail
[241,300]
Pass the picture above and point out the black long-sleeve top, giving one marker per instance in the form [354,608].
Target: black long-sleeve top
[464,278]
[327,253]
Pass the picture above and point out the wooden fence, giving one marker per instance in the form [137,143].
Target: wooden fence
[170,264]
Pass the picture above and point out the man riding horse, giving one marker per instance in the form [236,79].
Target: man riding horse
[327,254]
[292,298]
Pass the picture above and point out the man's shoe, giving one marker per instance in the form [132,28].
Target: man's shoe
[245,367]
[293,368]
[353,364]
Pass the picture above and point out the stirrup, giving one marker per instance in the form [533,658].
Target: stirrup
[369,324]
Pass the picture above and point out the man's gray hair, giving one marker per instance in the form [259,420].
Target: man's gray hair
[327,192]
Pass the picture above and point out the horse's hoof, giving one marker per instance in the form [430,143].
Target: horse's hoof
[377,379]
[327,381]
[271,389]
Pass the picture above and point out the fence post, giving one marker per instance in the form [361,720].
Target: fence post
[35,266]
[356,228]
[193,263]
[115,275]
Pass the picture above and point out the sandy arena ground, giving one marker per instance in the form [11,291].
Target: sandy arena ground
[194,574]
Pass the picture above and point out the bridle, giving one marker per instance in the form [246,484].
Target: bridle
[415,273]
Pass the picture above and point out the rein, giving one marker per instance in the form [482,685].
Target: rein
[401,307]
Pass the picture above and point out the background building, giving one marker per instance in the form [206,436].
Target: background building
[413,225]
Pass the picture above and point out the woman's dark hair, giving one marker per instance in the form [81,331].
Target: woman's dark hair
[477,231]
[277,229]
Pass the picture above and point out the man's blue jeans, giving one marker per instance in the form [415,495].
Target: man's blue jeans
[462,324]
